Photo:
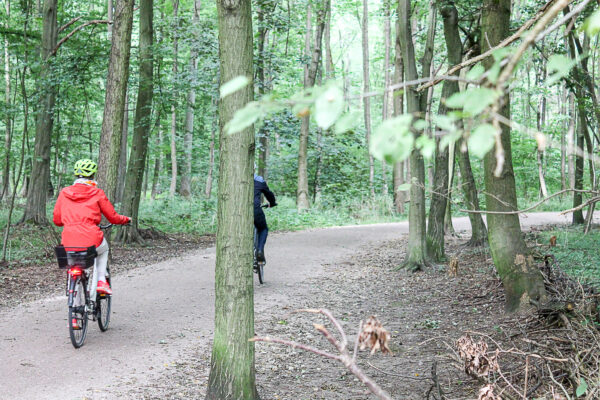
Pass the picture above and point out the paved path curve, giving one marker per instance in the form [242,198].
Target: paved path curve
[162,312]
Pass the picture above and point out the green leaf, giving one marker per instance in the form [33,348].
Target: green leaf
[582,388]
[482,140]
[244,118]
[347,122]
[393,141]
[476,72]
[420,124]
[450,138]
[592,24]
[403,188]
[234,85]
[457,100]
[445,122]
[478,100]
[559,66]
[426,145]
[328,107]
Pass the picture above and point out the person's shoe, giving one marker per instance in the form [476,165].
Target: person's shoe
[260,256]
[103,288]
[75,324]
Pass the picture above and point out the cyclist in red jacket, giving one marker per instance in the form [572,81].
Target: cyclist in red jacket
[79,210]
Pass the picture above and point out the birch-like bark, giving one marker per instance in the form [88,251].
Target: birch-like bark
[173,186]
[367,89]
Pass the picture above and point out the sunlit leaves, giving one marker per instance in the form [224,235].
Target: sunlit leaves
[473,101]
[393,141]
[482,140]
[582,388]
[426,145]
[347,122]
[592,24]
[559,66]
[237,83]
[476,72]
[244,118]
[329,106]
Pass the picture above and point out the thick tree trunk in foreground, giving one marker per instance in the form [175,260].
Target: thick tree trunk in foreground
[35,208]
[142,128]
[232,374]
[114,104]
[416,258]
[521,278]
[439,196]
[310,76]
[367,89]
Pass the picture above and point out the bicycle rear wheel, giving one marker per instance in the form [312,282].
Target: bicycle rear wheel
[78,318]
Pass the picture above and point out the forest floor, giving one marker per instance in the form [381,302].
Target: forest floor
[163,352]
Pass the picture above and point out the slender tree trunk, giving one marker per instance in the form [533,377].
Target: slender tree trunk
[114,105]
[8,120]
[329,68]
[142,127]
[416,257]
[398,100]
[35,208]
[123,154]
[157,164]
[541,111]
[367,89]
[563,136]
[520,276]
[579,163]
[310,75]
[440,193]
[571,141]
[173,186]
[387,81]
[211,158]
[232,373]
[186,178]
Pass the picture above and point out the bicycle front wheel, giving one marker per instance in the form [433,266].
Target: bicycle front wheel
[103,304]
[78,319]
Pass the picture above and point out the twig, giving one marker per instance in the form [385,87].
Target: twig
[558,383]
[74,31]
[68,24]
[506,42]
[296,345]
[416,378]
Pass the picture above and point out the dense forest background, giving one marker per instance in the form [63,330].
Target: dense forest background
[358,49]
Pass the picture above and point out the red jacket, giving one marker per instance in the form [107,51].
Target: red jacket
[79,209]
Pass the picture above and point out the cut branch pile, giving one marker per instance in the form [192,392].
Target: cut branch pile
[556,355]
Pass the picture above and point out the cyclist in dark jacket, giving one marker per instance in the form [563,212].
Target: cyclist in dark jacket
[260,222]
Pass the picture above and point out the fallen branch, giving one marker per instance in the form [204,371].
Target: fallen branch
[372,334]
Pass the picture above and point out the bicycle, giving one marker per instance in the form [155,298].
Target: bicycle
[259,266]
[81,285]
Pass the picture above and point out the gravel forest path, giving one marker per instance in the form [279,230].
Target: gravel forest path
[162,313]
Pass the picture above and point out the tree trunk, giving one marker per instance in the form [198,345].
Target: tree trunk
[571,141]
[563,136]
[142,127]
[232,373]
[114,105]
[173,187]
[329,68]
[211,158]
[440,193]
[579,162]
[367,89]
[416,258]
[310,75]
[186,187]
[123,154]
[8,121]
[157,164]
[35,208]
[398,100]
[387,81]
[521,278]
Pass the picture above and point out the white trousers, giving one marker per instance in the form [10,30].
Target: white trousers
[102,260]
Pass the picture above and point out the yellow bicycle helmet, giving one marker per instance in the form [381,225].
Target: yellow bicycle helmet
[85,168]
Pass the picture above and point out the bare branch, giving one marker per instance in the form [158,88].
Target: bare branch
[68,24]
[74,31]
[296,345]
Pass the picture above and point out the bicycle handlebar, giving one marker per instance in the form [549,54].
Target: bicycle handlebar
[105,226]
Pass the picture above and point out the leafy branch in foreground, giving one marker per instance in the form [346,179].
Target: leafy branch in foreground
[370,335]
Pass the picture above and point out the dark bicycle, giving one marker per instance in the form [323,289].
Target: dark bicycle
[259,266]
[81,287]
